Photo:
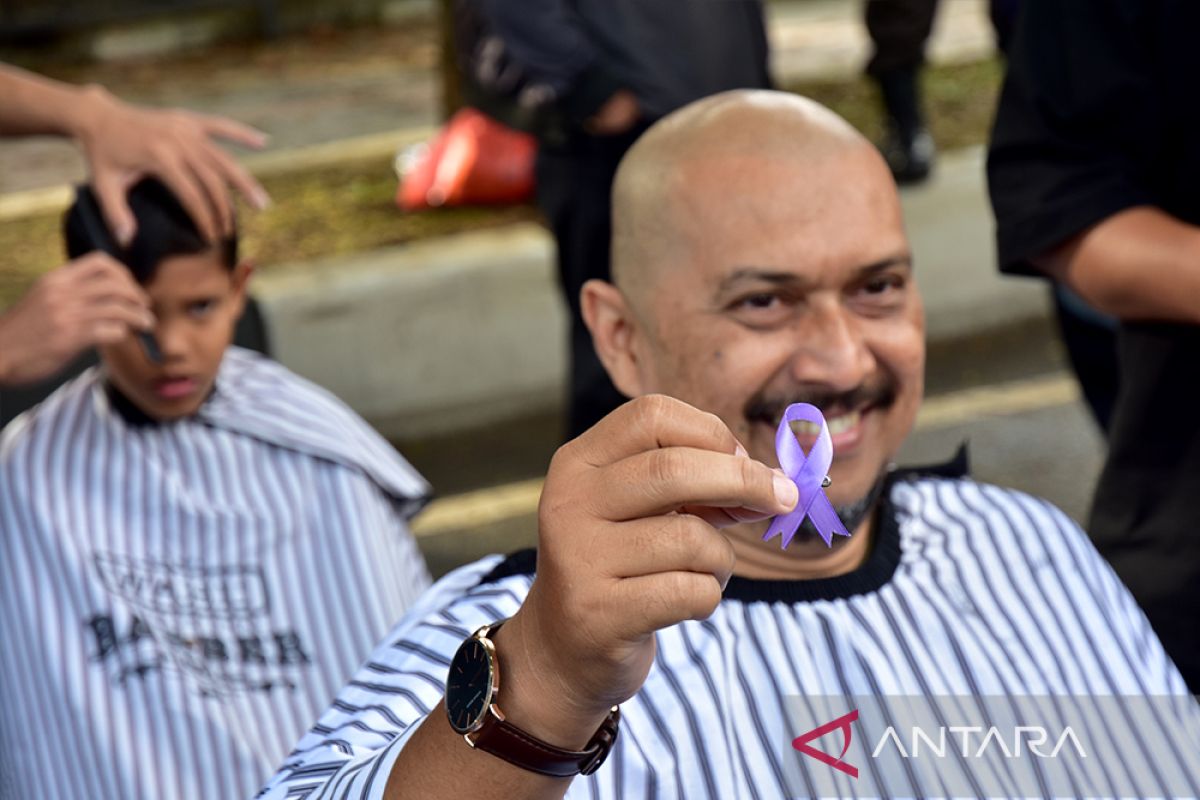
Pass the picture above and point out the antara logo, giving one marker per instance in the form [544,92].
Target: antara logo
[842,723]
[1032,736]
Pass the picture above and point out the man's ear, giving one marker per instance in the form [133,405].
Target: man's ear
[614,334]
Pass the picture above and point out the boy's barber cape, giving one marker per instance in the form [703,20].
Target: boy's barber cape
[257,397]
[190,593]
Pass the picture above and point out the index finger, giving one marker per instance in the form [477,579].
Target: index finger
[98,266]
[187,187]
[240,178]
[675,478]
[112,284]
[650,423]
[232,130]
[210,180]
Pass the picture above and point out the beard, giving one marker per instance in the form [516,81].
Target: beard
[851,514]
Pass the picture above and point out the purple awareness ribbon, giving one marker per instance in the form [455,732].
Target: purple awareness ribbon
[808,472]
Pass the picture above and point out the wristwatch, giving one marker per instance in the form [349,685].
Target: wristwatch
[471,689]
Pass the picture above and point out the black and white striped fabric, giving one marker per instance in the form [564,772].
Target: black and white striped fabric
[969,590]
[179,602]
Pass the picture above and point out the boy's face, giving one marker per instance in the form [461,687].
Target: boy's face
[196,301]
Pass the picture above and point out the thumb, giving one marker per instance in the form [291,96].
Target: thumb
[121,222]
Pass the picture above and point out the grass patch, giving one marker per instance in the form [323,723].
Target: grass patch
[960,101]
[349,208]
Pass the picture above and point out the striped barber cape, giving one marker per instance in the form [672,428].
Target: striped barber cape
[970,592]
[180,601]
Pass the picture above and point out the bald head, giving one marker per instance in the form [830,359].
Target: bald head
[712,150]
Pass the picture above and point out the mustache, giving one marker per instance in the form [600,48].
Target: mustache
[880,392]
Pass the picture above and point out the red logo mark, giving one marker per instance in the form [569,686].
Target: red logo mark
[801,743]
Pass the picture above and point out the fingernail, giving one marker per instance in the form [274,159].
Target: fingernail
[785,491]
[741,451]
[125,234]
[262,201]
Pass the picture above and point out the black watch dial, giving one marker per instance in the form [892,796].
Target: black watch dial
[469,686]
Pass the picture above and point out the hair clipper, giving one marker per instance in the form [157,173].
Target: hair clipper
[99,237]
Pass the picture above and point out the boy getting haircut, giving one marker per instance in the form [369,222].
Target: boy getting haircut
[198,551]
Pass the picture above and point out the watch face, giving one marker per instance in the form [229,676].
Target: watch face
[469,686]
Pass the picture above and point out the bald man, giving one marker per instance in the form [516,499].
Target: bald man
[760,260]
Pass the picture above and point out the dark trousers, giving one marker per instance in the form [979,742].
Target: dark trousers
[1090,339]
[574,192]
[899,30]
[1145,516]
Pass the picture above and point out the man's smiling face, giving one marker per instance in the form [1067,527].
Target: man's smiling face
[790,281]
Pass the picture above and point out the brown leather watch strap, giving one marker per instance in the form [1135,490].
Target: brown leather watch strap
[515,746]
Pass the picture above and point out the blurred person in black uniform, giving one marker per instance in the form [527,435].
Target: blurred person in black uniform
[1093,173]
[615,67]
[899,30]
[1090,336]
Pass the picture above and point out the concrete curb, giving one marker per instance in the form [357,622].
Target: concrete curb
[468,330]
[427,338]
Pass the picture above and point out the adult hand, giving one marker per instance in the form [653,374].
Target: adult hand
[627,545]
[618,114]
[90,301]
[124,143]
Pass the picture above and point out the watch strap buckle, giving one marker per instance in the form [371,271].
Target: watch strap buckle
[602,743]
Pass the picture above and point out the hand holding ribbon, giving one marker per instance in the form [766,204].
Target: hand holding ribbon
[808,473]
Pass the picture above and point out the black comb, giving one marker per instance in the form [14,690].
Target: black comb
[99,238]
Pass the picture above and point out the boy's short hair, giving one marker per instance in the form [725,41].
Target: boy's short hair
[164,229]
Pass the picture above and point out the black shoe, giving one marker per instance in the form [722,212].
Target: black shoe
[909,157]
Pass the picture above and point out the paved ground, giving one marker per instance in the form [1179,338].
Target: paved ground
[302,91]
